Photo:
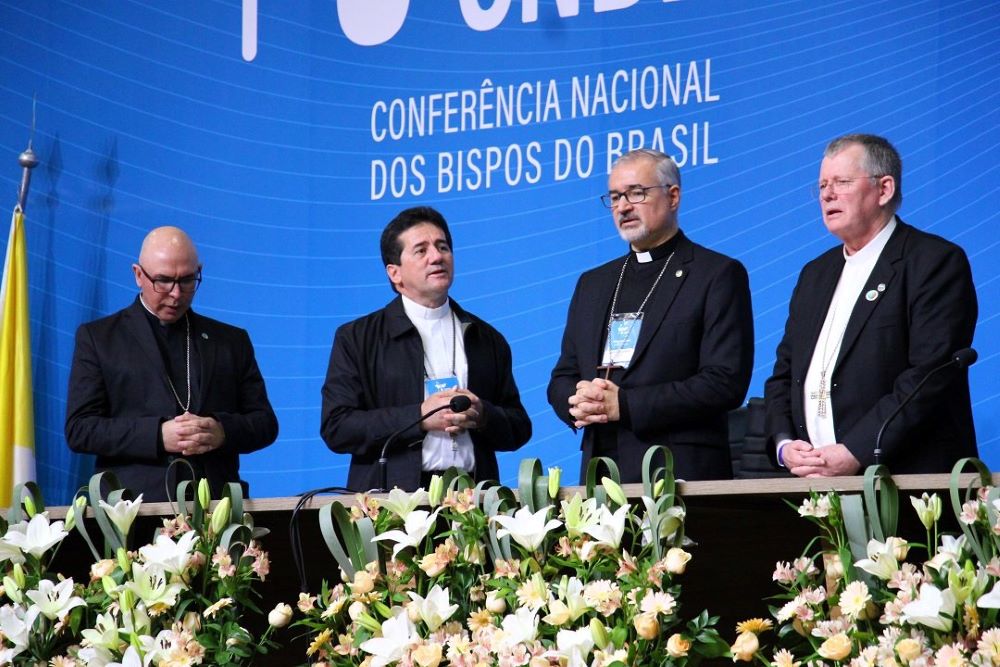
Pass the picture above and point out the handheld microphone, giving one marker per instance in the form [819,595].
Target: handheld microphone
[961,359]
[459,403]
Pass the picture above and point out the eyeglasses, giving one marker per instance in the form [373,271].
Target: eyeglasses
[634,195]
[838,186]
[187,284]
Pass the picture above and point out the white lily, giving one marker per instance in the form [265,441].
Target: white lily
[104,634]
[950,551]
[15,625]
[130,659]
[152,589]
[435,608]
[165,555]
[578,514]
[881,561]
[575,645]
[570,605]
[928,508]
[36,536]
[933,608]
[95,656]
[53,600]
[416,524]
[992,599]
[402,503]
[398,634]
[527,528]
[519,627]
[122,513]
[9,552]
[607,529]
[673,519]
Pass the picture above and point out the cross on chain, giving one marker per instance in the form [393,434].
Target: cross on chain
[822,395]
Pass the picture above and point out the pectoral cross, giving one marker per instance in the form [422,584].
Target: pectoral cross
[607,368]
[821,395]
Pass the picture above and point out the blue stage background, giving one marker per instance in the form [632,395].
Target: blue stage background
[263,148]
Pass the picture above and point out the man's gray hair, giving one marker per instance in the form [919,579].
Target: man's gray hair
[880,159]
[666,169]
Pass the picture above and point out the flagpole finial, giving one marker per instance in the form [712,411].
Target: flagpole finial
[28,161]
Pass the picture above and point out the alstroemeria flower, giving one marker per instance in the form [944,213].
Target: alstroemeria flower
[402,503]
[122,513]
[36,536]
[933,608]
[165,555]
[527,528]
[607,529]
[881,561]
[434,609]
[53,600]
[151,587]
[416,525]
[398,634]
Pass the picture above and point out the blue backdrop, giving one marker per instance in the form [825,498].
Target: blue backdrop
[284,136]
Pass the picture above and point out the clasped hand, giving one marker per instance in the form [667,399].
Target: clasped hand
[191,435]
[453,423]
[595,402]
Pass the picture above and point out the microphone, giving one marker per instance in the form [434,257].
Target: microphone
[961,359]
[459,403]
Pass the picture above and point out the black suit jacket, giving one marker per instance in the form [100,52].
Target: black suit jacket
[119,396]
[692,362]
[926,312]
[374,386]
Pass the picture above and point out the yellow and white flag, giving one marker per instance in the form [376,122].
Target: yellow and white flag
[17,412]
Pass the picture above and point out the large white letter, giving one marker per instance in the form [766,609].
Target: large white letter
[612,5]
[481,19]
[371,22]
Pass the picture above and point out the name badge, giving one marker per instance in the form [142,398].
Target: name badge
[622,337]
[435,385]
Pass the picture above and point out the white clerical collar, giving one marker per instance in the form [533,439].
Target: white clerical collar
[417,312]
[870,253]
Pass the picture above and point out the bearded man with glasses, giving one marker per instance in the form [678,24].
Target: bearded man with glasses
[658,344]
[867,322]
[156,385]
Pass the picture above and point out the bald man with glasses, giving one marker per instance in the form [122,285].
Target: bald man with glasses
[156,388]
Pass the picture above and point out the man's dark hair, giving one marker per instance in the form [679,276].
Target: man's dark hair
[392,249]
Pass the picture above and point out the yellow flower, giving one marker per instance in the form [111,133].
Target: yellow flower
[224,602]
[677,646]
[321,640]
[835,648]
[754,625]
[480,619]
[646,626]
[784,658]
[908,649]
[428,655]
[745,646]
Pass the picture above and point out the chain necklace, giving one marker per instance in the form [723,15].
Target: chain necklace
[822,393]
[187,354]
[614,299]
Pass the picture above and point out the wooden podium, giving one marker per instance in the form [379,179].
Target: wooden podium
[741,529]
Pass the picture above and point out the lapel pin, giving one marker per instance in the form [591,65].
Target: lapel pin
[881,287]
[204,335]
[680,272]
[871,295]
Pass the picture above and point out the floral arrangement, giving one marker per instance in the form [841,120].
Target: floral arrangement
[862,596]
[180,600]
[467,575]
